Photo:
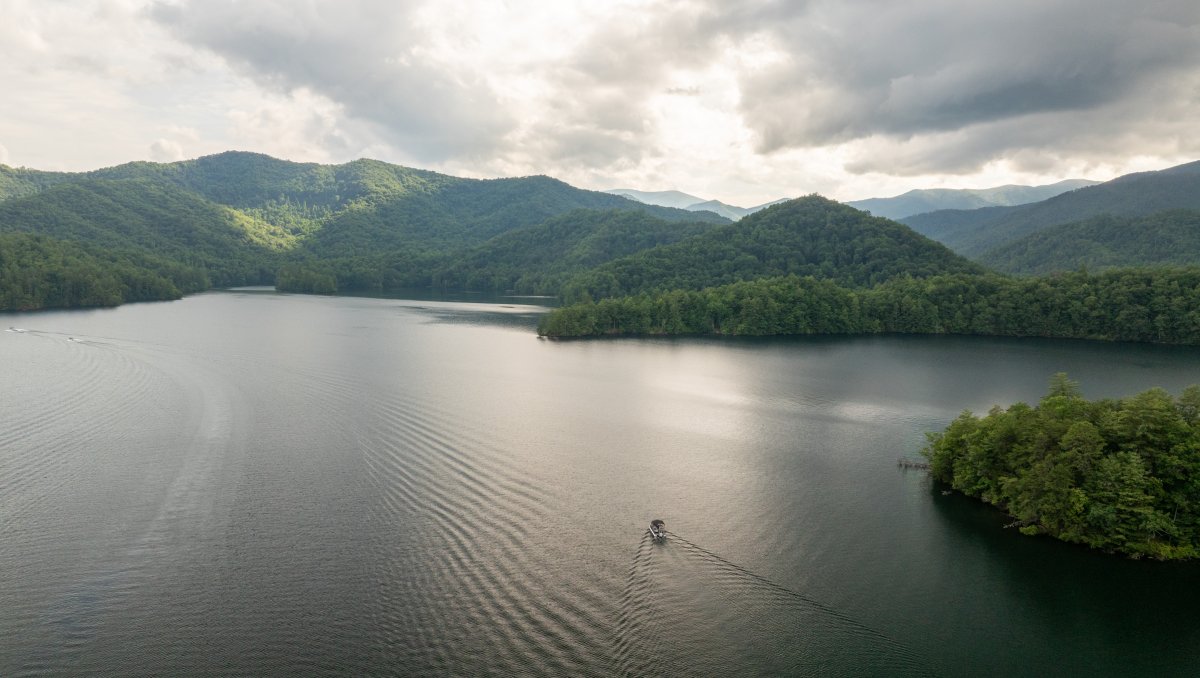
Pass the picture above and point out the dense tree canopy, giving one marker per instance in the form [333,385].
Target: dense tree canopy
[1167,238]
[40,272]
[810,236]
[1122,476]
[1127,305]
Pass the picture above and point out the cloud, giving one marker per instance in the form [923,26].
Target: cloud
[743,100]
[165,150]
[366,57]
[968,82]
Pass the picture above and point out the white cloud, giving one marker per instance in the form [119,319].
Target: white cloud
[165,150]
[743,101]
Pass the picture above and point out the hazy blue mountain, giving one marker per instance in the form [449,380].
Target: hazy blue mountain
[920,201]
[691,202]
[974,232]
[676,199]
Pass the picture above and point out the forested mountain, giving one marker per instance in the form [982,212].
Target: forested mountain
[16,182]
[538,259]
[239,218]
[974,232]
[919,201]
[157,219]
[1170,238]
[465,213]
[808,236]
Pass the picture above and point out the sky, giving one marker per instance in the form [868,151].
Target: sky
[744,102]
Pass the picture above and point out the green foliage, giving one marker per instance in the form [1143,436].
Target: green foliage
[538,259]
[465,213]
[1161,306]
[39,272]
[156,219]
[19,181]
[811,236]
[1121,476]
[306,279]
[1167,238]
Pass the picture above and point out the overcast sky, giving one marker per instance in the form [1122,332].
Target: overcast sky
[740,101]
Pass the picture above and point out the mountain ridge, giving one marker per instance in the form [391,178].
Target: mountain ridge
[974,232]
[920,201]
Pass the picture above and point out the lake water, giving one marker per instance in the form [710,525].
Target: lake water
[246,483]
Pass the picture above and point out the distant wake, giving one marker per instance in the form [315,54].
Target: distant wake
[688,611]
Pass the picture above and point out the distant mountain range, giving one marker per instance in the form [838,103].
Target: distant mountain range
[239,218]
[974,233]
[920,201]
[157,230]
[681,200]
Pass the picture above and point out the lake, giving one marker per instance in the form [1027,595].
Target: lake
[249,483]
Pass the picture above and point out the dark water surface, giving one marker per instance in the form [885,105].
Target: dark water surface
[243,483]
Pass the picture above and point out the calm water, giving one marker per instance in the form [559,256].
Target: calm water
[257,484]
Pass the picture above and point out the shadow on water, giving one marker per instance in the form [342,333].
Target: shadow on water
[1088,611]
[688,611]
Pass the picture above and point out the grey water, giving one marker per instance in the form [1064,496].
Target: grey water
[248,483]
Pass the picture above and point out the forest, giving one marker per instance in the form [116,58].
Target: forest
[810,265]
[1149,305]
[1122,476]
[42,272]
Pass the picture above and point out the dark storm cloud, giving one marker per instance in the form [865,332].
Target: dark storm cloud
[916,87]
[944,85]
[857,69]
[357,53]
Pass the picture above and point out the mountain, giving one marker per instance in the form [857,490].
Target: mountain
[240,218]
[920,201]
[154,219]
[467,212]
[676,199]
[16,182]
[691,202]
[974,232]
[538,259]
[807,236]
[1167,238]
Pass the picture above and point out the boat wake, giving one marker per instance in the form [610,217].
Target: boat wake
[688,611]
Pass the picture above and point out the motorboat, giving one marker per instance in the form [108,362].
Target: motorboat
[658,530]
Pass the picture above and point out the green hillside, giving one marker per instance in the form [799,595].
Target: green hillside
[17,182]
[464,213]
[974,232]
[296,196]
[242,218]
[810,236]
[538,259]
[1168,238]
[42,272]
[157,219]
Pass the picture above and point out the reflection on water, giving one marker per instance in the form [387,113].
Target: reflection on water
[251,483]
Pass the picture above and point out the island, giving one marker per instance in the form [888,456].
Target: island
[1121,476]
